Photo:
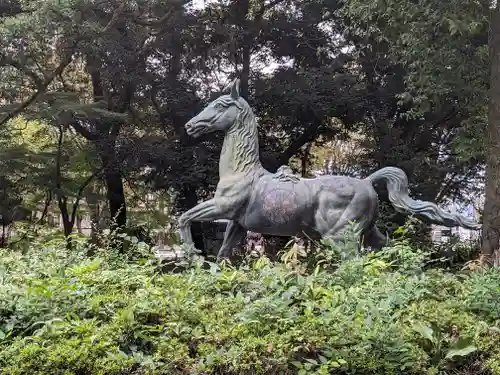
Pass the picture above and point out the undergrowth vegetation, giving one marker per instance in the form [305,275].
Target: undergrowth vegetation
[387,313]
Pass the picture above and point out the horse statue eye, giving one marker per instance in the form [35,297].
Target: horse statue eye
[218,106]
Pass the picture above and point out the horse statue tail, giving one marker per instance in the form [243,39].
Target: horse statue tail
[397,187]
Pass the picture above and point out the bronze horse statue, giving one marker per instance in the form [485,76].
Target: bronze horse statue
[254,199]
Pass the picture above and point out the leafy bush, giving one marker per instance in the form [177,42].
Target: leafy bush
[65,313]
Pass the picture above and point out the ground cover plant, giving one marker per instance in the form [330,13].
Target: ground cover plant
[64,312]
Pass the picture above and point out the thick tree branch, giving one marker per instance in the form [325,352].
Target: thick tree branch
[66,118]
[114,18]
[48,200]
[40,89]
[154,22]
[294,147]
[446,187]
[8,60]
[58,159]
[61,199]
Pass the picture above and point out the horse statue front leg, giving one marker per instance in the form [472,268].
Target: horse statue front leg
[209,211]
[205,211]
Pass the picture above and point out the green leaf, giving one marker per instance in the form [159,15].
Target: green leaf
[461,352]
[453,27]
[424,330]
[322,359]
[327,353]
[312,361]
[209,360]
[462,348]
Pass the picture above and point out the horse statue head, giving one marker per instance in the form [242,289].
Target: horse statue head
[219,115]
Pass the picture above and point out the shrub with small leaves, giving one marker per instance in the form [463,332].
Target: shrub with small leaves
[378,313]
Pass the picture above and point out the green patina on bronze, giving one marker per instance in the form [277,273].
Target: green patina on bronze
[284,204]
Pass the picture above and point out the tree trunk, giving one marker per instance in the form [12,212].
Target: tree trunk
[3,240]
[61,199]
[491,218]
[304,160]
[114,192]
[106,140]
[67,223]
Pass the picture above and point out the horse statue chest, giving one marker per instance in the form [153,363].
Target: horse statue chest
[233,193]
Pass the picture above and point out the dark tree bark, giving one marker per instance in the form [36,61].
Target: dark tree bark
[114,184]
[491,217]
[115,195]
[304,160]
[9,8]
[108,134]
[104,136]
[246,50]
[96,213]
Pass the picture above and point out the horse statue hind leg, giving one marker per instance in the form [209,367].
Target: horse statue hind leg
[234,234]
[359,203]
[397,186]
[346,210]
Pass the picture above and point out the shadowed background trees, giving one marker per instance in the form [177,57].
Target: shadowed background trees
[114,82]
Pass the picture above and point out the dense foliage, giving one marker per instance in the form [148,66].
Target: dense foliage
[65,313]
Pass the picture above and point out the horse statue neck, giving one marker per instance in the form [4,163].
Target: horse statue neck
[240,151]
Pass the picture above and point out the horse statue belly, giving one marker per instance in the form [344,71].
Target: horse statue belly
[279,208]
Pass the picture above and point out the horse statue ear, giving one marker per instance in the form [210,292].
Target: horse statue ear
[235,89]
